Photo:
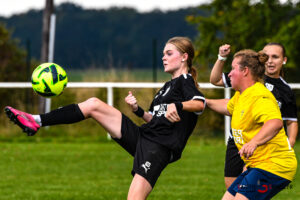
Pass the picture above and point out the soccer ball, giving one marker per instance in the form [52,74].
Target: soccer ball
[49,80]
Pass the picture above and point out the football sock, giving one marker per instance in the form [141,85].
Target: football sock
[65,115]
[37,119]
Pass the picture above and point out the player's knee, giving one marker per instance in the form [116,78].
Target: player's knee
[95,104]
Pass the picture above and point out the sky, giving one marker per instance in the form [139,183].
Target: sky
[10,7]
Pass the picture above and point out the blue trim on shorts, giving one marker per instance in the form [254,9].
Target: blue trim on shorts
[258,184]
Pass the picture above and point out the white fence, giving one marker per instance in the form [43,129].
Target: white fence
[110,85]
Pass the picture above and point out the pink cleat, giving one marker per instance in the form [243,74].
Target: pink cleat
[24,120]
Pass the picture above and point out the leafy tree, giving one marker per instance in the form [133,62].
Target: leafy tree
[12,58]
[118,37]
[12,68]
[242,24]
[289,35]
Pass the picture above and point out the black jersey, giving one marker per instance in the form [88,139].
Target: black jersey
[282,92]
[160,129]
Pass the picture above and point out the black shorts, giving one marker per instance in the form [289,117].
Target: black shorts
[233,162]
[150,158]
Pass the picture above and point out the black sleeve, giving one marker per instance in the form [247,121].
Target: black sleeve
[289,109]
[151,107]
[156,95]
[226,80]
[189,89]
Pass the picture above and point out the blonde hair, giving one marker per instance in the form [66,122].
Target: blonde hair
[254,61]
[184,45]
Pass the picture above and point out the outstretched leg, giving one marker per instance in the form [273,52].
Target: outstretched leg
[107,116]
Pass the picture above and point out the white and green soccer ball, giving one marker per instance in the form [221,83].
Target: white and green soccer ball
[49,80]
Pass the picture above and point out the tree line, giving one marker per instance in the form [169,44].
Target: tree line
[115,37]
[248,24]
[123,37]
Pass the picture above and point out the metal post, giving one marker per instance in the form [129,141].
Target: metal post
[49,8]
[28,75]
[227,118]
[51,54]
[52,37]
[110,101]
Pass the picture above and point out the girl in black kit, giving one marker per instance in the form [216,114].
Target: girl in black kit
[276,84]
[170,121]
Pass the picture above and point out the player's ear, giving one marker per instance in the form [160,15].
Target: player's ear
[246,71]
[284,60]
[185,56]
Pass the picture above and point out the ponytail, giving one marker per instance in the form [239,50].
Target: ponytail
[281,73]
[193,72]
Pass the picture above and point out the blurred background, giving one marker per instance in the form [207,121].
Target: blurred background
[122,41]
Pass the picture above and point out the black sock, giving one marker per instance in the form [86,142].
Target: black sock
[65,115]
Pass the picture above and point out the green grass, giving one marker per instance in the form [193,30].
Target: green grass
[86,170]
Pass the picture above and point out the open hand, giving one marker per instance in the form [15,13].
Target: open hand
[248,149]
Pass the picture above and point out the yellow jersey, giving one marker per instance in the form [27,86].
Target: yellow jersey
[250,110]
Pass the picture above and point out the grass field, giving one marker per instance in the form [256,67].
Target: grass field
[87,170]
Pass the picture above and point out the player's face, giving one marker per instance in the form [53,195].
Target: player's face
[275,61]
[236,73]
[172,59]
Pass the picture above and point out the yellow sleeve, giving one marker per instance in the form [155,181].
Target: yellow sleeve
[265,109]
[232,101]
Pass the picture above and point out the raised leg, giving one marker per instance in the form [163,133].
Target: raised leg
[107,116]
[139,189]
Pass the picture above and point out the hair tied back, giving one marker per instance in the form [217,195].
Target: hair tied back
[262,57]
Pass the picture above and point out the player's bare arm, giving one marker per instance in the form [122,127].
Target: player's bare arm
[132,102]
[216,72]
[266,133]
[292,131]
[218,105]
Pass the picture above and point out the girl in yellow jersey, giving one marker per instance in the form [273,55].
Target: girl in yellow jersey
[258,131]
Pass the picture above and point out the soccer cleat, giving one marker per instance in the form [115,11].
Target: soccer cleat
[24,120]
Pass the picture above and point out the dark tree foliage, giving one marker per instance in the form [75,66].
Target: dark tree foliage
[13,68]
[12,58]
[246,24]
[117,37]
